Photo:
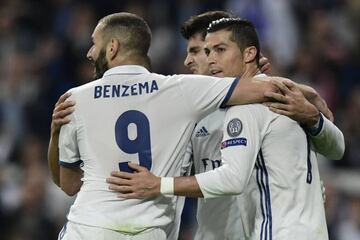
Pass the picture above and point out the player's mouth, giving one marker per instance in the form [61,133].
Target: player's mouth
[216,72]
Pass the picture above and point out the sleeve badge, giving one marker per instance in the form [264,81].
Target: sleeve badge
[234,127]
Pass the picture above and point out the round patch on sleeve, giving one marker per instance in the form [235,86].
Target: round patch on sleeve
[234,127]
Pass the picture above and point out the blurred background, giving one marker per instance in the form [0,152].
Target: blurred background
[43,44]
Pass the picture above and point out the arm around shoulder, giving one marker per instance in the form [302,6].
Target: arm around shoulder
[249,91]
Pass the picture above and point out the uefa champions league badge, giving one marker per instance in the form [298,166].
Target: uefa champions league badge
[234,127]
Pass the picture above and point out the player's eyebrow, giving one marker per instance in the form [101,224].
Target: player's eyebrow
[220,45]
[207,47]
[194,49]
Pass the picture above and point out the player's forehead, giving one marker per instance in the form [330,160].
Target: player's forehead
[221,37]
[195,41]
[96,35]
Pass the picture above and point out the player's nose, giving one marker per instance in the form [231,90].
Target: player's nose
[211,59]
[188,61]
[88,55]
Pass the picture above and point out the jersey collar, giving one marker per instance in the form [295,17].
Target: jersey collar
[126,70]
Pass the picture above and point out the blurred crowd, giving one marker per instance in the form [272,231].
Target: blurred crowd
[43,44]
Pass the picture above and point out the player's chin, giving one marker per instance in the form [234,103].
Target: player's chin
[194,70]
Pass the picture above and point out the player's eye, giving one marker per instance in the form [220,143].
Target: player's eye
[220,50]
[194,51]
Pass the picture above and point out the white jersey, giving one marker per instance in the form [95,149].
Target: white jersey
[131,115]
[327,139]
[217,218]
[267,157]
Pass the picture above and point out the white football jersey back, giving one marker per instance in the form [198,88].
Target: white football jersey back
[131,115]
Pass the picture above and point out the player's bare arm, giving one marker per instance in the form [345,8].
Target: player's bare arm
[252,90]
[59,117]
[144,184]
[70,179]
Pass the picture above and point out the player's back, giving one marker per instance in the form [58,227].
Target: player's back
[133,116]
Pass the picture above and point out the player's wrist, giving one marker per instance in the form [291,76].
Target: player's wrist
[167,186]
[313,115]
[54,130]
[313,121]
[314,129]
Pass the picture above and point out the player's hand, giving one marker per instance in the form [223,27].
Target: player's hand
[292,103]
[140,184]
[321,105]
[61,112]
[264,64]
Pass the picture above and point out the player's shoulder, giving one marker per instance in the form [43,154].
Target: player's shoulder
[85,86]
[255,107]
[196,76]
[252,113]
[167,78]
[77,91]
[191,79]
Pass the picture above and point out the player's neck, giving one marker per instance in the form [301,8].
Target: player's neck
[249,72]
[133,60]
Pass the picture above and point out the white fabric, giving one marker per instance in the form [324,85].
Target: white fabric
[174,228]
[330,141]
[74,231]
[167,186]
[268,163]
[111,114]
[217,218]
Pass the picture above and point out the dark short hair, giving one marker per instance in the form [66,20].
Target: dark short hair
[199,23]
[130,29]
[243,32]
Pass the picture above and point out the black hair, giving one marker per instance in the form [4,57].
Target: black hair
[130,28]
[199,23]
[243,33]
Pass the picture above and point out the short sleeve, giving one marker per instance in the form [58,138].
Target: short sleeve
[205,94]
[69,155]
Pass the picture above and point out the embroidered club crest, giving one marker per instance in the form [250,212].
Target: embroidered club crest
[234,127]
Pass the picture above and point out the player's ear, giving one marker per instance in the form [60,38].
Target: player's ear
[250,54]
[113,48]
